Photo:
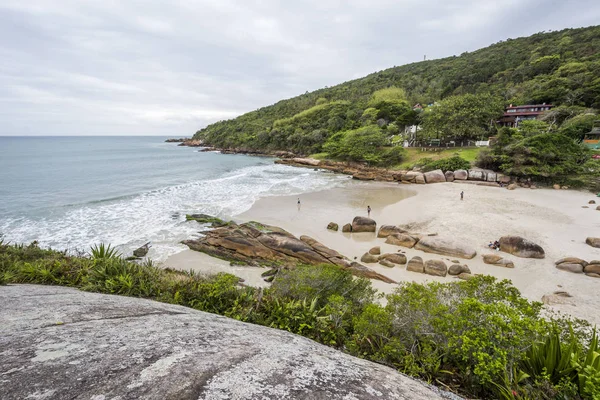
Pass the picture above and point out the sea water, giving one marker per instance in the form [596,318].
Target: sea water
[73,192]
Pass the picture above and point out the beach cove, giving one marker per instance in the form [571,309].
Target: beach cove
[558,220]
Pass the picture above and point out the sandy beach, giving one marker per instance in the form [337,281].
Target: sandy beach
[555,219]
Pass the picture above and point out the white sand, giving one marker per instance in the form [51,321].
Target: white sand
[554,219]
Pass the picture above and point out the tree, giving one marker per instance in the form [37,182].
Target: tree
[469,116]
[362,144]
[578,126]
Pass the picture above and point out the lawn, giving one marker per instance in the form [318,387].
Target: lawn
[414,154]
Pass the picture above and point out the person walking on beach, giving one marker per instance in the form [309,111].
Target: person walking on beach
[298,203]
[369,211]
[462,195]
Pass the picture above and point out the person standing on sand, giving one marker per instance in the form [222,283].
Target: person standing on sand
[369,211]
[462,195]
[298,203]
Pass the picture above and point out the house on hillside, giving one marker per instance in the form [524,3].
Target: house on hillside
[592,138]
[515,114]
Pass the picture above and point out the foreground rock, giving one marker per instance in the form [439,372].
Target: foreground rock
[436,245]
[436,268]
[497,260]
[363,224]
[593,241]
[253,243]
[60,343]
[521,247]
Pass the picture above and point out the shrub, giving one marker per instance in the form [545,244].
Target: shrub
[447,164]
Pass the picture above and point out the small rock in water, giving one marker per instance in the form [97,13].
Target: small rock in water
[142,251]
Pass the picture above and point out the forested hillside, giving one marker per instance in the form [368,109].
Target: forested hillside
[470,92]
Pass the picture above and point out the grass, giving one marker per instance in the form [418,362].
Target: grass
[414,154]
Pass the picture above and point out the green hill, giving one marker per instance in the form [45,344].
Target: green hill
[562,68]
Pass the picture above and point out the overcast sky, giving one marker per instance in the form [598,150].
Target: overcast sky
[119,67]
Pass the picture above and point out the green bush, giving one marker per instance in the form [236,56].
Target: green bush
[447,164]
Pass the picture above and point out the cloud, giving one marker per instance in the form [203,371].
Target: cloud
[148,67]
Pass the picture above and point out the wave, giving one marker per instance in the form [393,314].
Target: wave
[159,215]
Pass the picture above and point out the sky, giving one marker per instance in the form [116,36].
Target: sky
[121,67]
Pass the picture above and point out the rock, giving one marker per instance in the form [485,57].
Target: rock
[436,268]
[476,175]
[592,202]
[307,161]
[457,269]
[512,186]
[575,268]
[598,208]
[497,260]
[375,250]
[559,297]
[333,226]
[461,175]
[402,239]
[501,178]
[449,176]
[369,258]
[396,258]
[420,179]
[491,176]
[409,176]
[432,244]
[207,219]
[363,224]
[416,265]
[465,276]
[387,230]
[593,241]
[142,251]
[387,263]
[436,176]
[521,247]
[556,186]
[593,275]
[83,345]
[592,269]
[347,228]
[572,260]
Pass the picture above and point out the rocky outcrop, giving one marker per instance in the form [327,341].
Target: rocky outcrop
[142,250]
[396,258]
[432,244]
[593,241]
[363,224]
[61,343]
[206,219]
[387,230]
[402,239]
[253,243]
[457,269]
[436,268]
[497,260]
[416,265]
[332,226]
[521,247]
[436,176]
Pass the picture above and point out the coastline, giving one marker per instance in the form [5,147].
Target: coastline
[555,219]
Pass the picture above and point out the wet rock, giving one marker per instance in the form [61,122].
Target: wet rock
[332,226]
[363,224]
[416,265]
[142,251]
[60,343]
[207,219]
[436,268]
[387,230]
[375,250]
[497,260]
[593,241]
[402,239]
[521,247]
[432,244]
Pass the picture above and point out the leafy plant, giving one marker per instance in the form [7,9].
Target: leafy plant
[103,252]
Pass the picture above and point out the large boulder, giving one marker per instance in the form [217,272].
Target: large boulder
[433,244]
[420,179]
[592,268]
[61,343]
[476,175]
[593,241]
[436,268]
[491,176]
[363,224]
[141,251]
[449,176]
[396,258]
[402,239]
[347,228]
[572,260]
[375,250]
[387,230]
[369,258]
[387,263]
[457,269]
[497,260]
[521,247]
[461,175]
[416,265]
[575,268]
[436,176]
[333,226]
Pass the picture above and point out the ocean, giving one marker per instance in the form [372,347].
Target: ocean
[70,193]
